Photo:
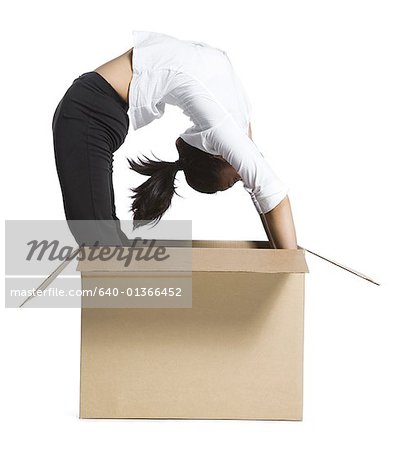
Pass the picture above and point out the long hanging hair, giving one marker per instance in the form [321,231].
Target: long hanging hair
[153,198]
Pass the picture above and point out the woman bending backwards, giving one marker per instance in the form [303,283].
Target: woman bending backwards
[91,122]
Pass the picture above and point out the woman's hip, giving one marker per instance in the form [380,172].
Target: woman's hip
[91,104]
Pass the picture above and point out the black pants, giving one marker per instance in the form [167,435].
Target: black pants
[90,123]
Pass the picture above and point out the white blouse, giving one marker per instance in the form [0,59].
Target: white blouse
[201,81]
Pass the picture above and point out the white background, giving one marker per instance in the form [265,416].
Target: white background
[326,80]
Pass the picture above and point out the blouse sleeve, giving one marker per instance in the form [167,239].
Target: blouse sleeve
[229,141]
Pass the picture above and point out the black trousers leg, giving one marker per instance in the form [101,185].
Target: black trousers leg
[90,123]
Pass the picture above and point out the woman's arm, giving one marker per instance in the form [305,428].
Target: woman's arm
[281,225]
[280,221]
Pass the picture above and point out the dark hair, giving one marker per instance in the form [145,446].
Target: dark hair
[153,197]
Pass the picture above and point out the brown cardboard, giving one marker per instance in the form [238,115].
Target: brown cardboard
[236,354]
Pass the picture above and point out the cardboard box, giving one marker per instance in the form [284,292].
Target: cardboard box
[237,353]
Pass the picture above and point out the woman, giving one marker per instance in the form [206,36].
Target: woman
[91,123]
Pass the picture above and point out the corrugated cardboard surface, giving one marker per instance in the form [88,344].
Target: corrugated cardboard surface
[236,354]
